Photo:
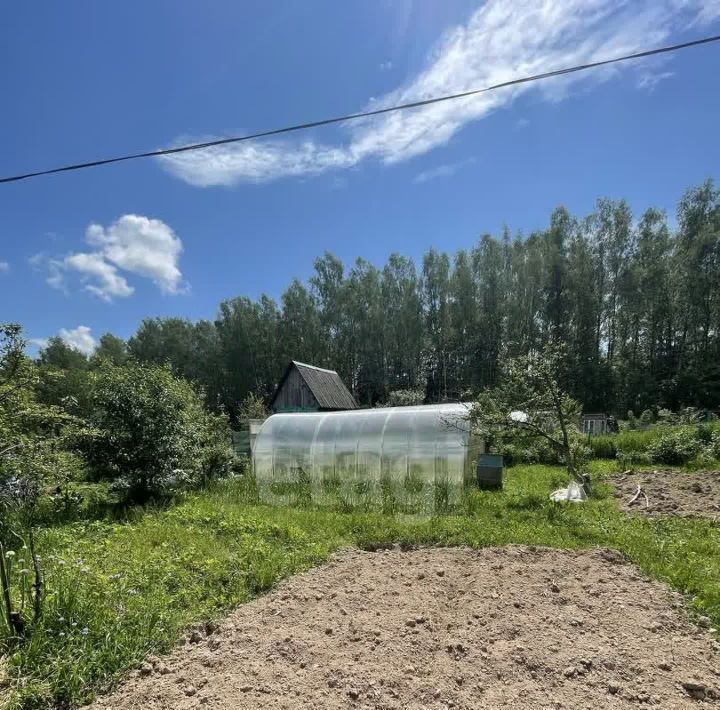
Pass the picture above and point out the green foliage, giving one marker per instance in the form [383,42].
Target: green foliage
[647,418]
[110,348]
[530,407]
[253,407]
[152,433]
[662,444]
[632,422]
[603,446]
[675,447]
[36,440]
[405,398]
[634,303]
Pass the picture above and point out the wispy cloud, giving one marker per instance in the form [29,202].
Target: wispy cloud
[649,80]
[4,267]
[709,12]
[38,342]
[131,245]
[503,39]
[442,171]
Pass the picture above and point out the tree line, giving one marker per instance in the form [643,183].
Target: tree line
[634,300]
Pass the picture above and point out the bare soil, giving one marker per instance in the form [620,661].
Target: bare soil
[512,627]
[670,493]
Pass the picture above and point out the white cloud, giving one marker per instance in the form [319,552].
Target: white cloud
[502,40]
[709,12]
[4,267]
[522,123]
[442,171]
[147,247]
[100,276]
[386,66]
[38,342]
[650,80]
[133,244]
[79,338]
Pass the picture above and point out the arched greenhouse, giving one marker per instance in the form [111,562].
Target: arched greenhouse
[427,444]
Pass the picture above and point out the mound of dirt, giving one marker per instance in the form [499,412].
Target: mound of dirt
[512,627]
[670,493]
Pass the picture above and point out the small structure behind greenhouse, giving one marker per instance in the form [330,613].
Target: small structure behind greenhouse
[243,440]
[593,424]
[306,388]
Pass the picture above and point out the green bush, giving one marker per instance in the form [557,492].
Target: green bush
[152,433]
[603,446]
[532,452]
[675,447]
[630,459]
[714,444]
[647,418]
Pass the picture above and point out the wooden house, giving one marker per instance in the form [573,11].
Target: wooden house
[306,388]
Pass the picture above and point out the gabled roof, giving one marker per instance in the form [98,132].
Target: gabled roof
[327,387]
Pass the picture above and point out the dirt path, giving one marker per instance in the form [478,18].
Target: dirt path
[445,628]
[670,493]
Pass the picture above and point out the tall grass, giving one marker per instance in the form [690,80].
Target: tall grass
[637,441]
[120,590]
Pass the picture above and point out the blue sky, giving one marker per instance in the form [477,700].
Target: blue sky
[104,248]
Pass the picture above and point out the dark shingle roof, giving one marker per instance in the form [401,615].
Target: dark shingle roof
[326,385]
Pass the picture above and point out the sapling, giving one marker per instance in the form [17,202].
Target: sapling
[530,404]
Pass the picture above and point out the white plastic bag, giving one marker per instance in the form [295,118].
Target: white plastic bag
[574,493]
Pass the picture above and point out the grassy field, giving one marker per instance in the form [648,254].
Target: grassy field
[120,590]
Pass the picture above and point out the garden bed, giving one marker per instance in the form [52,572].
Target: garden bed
[515,627]
[695,494]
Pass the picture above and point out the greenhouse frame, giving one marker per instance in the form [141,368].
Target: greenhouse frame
[428,443]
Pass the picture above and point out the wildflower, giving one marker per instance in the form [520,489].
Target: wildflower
[62,633]
[85,631]
[132,592]
[24,572]
[74,624]
[61,563]
[9,554]
[84,570]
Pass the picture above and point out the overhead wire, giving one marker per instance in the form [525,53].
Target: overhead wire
[362,114]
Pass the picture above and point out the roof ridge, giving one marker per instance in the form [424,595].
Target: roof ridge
[313,367]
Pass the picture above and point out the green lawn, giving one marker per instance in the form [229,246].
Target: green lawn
[117,591]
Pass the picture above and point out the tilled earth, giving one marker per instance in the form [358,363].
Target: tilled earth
[670,493]
[512,627]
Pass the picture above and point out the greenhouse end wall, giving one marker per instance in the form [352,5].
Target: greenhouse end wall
[427,444]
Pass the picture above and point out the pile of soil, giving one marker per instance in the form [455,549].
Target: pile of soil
[513,627]
[670,493]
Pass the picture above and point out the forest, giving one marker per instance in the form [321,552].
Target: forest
[635,299]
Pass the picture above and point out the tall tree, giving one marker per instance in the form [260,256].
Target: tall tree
[435,292]
[403,325]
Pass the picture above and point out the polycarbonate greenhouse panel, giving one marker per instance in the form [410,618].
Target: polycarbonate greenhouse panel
[425,443]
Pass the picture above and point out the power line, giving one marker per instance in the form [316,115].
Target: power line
[363,114]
